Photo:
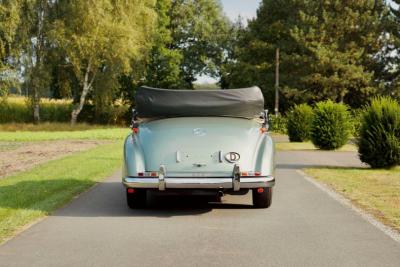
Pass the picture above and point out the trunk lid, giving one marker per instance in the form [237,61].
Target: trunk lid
[200,146]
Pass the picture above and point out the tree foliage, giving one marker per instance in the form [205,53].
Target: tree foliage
[9,22]
[100,39]
[327,49]
[199,31]
[99,51]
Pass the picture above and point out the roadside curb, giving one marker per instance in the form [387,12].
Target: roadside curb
[393,234]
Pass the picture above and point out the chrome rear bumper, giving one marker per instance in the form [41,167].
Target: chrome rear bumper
[235,183]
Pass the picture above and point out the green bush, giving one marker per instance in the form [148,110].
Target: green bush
[356,117]
[331,125]
[379,135]
[277,124]
[299,121]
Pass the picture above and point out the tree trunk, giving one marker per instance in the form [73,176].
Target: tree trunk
[78,107]
[85,90]
[36,109]
[277,82]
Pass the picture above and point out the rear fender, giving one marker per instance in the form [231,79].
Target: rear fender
[133,156]
[265,162]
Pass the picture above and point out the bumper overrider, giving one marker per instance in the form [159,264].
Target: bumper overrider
[163,182]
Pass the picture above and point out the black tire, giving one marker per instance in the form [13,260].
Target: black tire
[262,200]
[137,199]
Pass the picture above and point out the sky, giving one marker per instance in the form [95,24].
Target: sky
[233,8]
[245,8]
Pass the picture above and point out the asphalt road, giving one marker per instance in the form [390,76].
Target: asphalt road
[304,227]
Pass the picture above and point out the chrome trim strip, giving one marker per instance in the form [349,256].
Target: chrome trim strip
[197,183]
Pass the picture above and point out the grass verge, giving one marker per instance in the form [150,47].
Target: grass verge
[30,195]
[108,134]
[376,191]
[287,146]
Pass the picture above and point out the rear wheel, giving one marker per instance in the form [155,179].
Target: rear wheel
[262,197]
[136,198]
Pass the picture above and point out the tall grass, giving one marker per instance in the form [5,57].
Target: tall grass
[15,109]
[18,109]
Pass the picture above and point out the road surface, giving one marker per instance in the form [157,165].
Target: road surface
[304,227]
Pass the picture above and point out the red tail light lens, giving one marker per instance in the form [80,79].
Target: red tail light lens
[147,174]
[250,174]
[135,130]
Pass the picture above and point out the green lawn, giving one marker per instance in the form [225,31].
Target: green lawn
[111,134]
[29,195]
[376,191]
[284,146]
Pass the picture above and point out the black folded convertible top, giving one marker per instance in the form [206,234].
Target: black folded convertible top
[242,103]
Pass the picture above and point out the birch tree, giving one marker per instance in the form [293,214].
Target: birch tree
[9,21]
[33,37]
[102,36]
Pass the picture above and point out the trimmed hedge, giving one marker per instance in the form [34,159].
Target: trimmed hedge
[299,120]
[379,135]
[277,124]
[331,125]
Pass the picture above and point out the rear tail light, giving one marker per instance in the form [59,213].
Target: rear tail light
[250,174]
[135,130]
[148,174]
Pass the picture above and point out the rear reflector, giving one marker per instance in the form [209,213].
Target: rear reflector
[147,174]
[260,190]
[250,174]
[135,130]
[131,190]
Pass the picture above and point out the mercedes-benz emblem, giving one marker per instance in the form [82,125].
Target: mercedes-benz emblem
[199,132]
[232,157]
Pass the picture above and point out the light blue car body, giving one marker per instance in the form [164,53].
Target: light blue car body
[221,153]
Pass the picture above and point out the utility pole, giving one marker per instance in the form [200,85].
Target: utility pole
[277,82]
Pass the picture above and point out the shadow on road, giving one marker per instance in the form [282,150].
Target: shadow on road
[108,200]
[103,200]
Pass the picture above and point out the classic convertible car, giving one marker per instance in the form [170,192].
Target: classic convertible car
[199,142]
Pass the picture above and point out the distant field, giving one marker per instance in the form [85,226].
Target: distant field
[18,109]
[95,134]
[51,127]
